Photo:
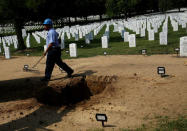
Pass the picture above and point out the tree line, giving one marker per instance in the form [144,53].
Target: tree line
[19,12]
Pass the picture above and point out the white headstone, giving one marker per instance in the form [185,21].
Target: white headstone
[151,35]
[142,33]
[137,31]
[7,52]
[76,37]
[73,50]
[132,40]
[15,44]
[104,41]
[28,41]
[0,49]
[126,36]
[163,38]
[91,36]
[24,34]
[175,27]
[183,25]
[68,35]
[62,44]
[87,39]
[45,48]
[183,46]
[80,34]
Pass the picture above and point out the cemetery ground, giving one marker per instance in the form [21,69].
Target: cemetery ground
[136,98]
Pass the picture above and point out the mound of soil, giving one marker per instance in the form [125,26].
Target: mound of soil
[71,91]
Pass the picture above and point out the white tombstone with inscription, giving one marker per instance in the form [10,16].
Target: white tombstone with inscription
[126,36]
[104,41]
[132,40]
[15,44]
[87,39]
[80,34]
[28,41]
[163,38]
[183,46]
[7,52]
[76,37]
[175,27]
[142,33]
[183,25]
[151,35]
[24,34]
[73,50]
[62,45]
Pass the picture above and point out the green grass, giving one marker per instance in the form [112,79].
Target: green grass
[163,124]
[116,45]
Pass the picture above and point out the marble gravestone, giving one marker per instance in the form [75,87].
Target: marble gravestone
[104,41]
[163,38]
[73,50]
[24,34]
[151,35]
[142,33]
[87,39]
[28,45]
[76,37]
[183,46]
[7,52]
[62,45]
[132,40]
[126,36]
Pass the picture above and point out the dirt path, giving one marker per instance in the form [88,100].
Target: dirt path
[138,97]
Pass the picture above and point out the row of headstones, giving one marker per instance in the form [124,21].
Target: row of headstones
[9,40]
[132,38]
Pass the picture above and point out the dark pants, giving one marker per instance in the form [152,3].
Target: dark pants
[54,57]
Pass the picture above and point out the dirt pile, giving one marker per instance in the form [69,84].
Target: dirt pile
[71,91]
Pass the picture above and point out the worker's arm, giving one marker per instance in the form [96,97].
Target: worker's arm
[49,46]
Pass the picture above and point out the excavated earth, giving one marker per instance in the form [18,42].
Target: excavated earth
[126,88]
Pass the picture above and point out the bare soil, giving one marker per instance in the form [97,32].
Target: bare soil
[137,96]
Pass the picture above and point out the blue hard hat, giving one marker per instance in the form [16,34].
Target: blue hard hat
[48,22]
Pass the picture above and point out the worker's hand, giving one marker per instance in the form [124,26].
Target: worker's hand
[44,54]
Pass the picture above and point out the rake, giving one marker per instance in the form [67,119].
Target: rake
[26,67]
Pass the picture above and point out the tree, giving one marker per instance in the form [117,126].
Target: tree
[118,7]
[178,4]
[18,12]
[165,5]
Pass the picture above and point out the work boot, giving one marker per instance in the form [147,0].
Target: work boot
[69,75]
[44,79]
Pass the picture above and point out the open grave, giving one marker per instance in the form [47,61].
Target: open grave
[73,90]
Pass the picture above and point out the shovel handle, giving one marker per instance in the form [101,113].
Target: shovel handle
[38,62]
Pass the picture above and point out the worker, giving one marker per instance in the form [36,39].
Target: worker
[53,52]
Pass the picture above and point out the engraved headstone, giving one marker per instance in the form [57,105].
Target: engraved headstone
[104,41]
[7,52]
[183,46]
[73,50]
[28,41]
[132,40]
[142,33]
[87,39]
[126,36]
[76,37]
[163,38]
[151,35]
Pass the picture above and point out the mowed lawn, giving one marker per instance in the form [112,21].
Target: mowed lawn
[116,44]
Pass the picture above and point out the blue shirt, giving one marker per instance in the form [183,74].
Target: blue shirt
[52,37]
